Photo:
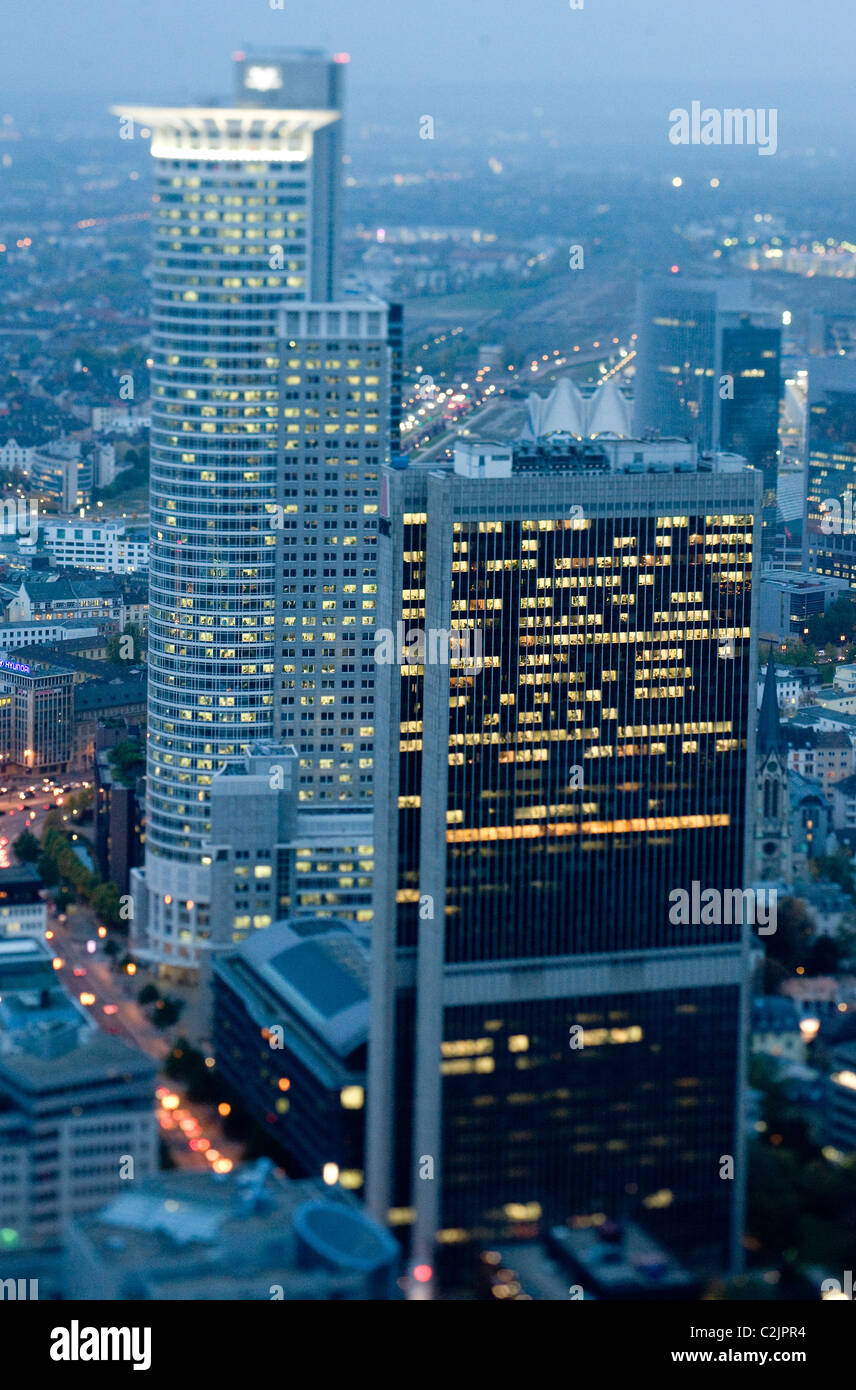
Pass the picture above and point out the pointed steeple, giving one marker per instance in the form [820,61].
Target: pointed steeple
[769,725]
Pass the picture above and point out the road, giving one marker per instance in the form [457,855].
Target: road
[193,1132]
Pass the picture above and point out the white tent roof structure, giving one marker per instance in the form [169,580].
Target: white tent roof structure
[567,411]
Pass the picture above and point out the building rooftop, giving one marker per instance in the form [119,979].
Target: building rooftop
[68,588]
[809,715]
[95,695]
[88,1056]
[320,970]
[202,1235]
[621,1261]
[20,874]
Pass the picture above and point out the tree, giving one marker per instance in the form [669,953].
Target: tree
[148,994]
[790,942]
[824,957]
[167,1012]
[48,871]
[127,760]
[27,847]
[838,868]
[106,903]
[838,621]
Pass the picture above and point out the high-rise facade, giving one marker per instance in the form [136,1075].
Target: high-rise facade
[708,368]
[260,443]
[547,1043]
[829,534]
[334,374]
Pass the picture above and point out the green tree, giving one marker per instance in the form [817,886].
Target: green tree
[48,871]
[27,847]
[127,759]
[838,621]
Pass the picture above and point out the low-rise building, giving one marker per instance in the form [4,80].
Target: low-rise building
[62,475]
[76,1105]
[23,910]
[843,702]
[98,600]
[794,686]
[790,597]
[38,631]
[840,1129]
[823,719]
[776,1028]
[189,1237]
[121,697]
[825,757]
[844,678]
[843,799]
[15,455]
[290,1033]
[111,547]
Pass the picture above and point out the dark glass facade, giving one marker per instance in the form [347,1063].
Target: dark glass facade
[629,1124]
[831,472]
[550,792]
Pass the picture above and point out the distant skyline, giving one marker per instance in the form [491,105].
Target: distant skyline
[161,47]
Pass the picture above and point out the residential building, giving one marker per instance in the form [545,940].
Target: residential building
[826,757]
[14,455]
[34,632]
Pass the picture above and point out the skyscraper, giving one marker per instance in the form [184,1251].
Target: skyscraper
[708,368]
[547,1042]
[829,534]
[262,387]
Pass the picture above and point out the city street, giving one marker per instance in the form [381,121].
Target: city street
[192,1131]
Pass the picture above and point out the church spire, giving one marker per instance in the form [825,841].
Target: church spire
[769,725]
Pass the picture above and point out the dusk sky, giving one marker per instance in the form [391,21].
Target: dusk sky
[165,47]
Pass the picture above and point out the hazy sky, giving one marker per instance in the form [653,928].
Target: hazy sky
[139,49]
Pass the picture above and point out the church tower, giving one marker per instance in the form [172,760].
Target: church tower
[773,856]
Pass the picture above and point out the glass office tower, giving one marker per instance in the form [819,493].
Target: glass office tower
[248,409]
[829,536]
[539,802]
[708,370]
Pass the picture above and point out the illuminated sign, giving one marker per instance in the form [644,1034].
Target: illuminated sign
[259,79]
[16,666]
